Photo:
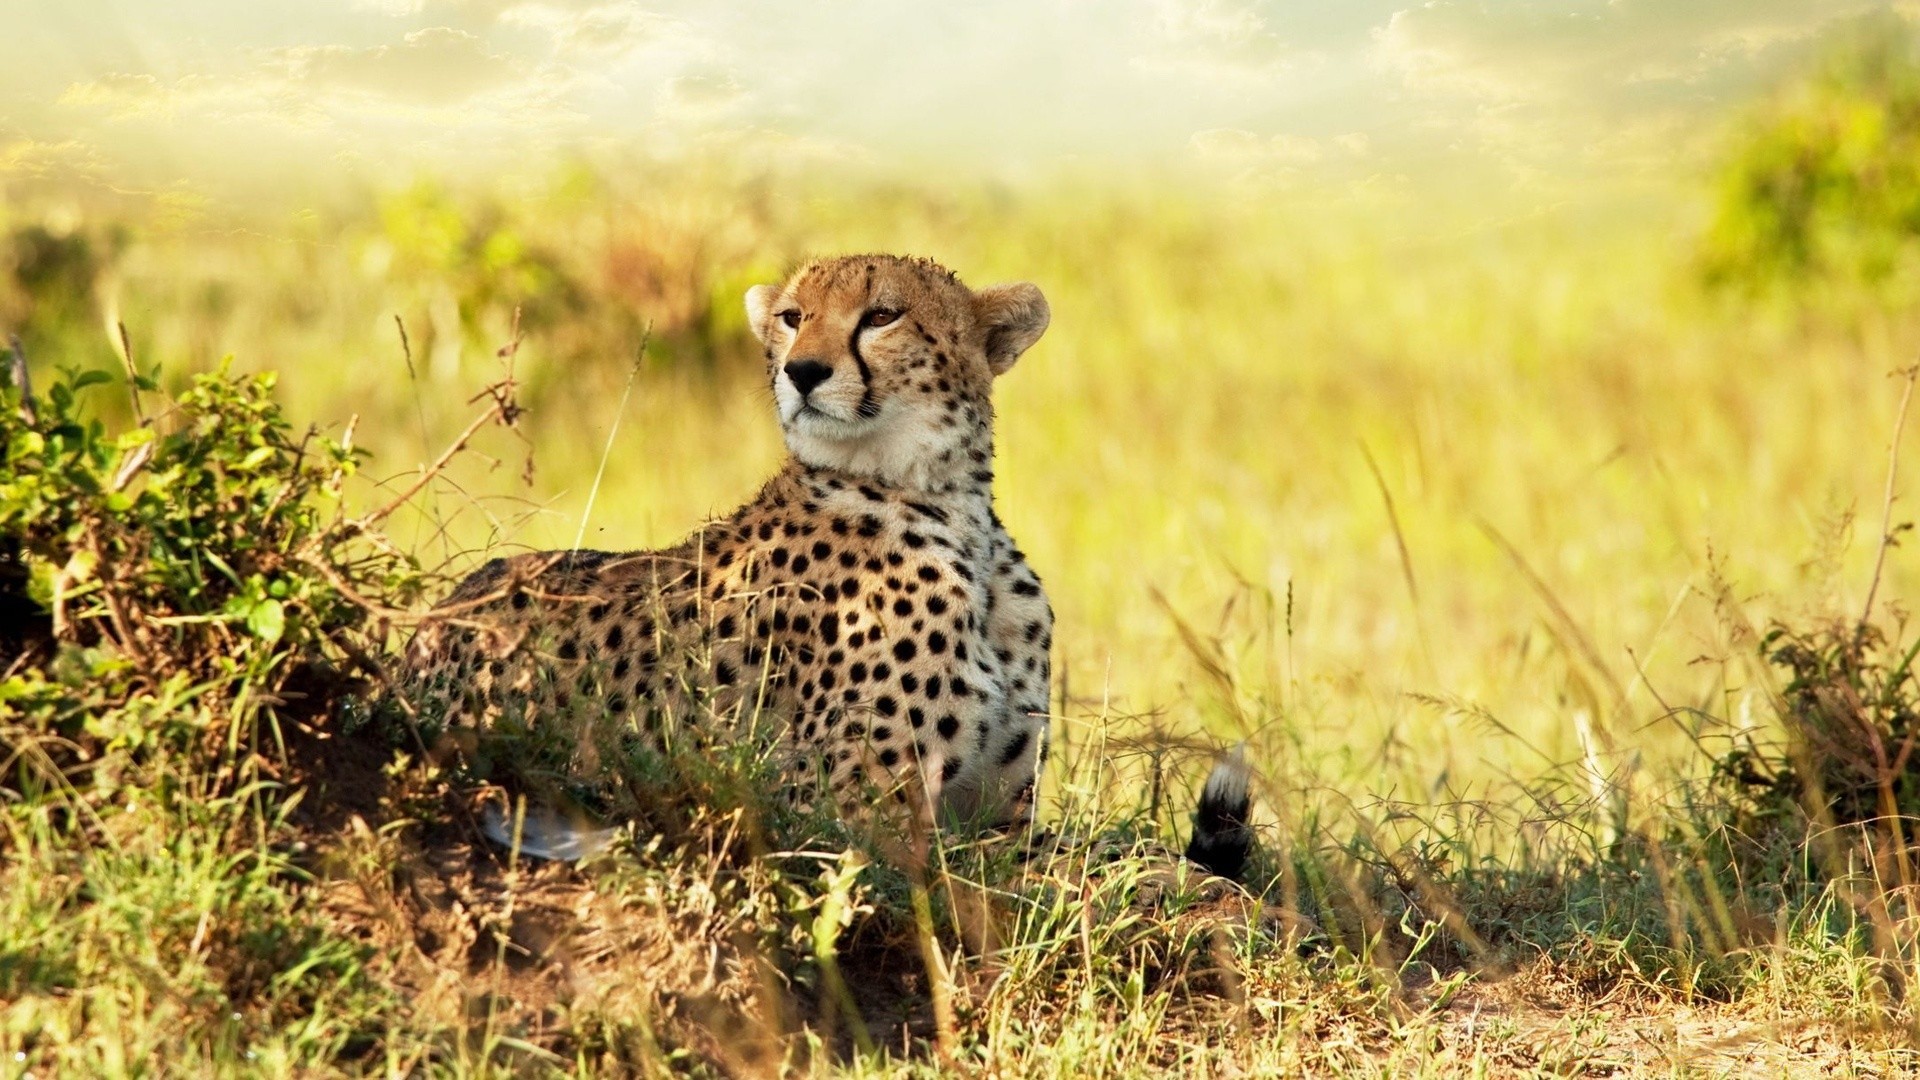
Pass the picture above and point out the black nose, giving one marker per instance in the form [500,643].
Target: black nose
[807,374]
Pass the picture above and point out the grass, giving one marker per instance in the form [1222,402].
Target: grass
[1472,528]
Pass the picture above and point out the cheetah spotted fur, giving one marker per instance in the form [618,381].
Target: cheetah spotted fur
[868,601]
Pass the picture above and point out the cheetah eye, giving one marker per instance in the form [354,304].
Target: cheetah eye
[880,317]
[791,318]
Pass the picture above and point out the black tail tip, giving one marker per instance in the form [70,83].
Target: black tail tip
[1222,839]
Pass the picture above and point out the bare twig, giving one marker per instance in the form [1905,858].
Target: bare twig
[1911,374]
[501,403]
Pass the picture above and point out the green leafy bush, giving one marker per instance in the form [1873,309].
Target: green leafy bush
[200,556]
[1825,186]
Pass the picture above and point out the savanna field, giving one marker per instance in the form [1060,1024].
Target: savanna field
[1550,565]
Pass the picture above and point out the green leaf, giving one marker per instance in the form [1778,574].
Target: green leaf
[268,620]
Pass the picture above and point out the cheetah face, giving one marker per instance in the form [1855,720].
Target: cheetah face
[882,366]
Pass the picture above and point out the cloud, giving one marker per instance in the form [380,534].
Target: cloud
[1564,52]
[25,157]
[1625,82]
[434,66]
[595,31]
[1217,39]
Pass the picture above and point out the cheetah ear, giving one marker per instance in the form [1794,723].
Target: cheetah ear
[760,300]
[1014,316]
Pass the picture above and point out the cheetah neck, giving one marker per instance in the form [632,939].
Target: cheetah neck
[968,493]
[917,463]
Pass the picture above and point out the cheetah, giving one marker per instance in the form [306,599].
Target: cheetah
[868,603]
[868,598]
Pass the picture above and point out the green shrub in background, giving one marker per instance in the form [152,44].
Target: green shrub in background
[1825,183]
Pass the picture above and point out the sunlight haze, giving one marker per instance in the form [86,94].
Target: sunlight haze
[217,96]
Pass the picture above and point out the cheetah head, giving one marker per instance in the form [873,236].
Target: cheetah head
[883,365]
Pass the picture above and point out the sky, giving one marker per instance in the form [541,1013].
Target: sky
[1512,94]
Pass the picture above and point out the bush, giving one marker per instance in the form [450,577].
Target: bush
[1826,186]
[201,558]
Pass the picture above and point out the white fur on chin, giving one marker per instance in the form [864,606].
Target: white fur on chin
[887,447]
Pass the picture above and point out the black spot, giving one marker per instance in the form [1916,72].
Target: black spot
[598,612]
[886,706]
[822,549]
[779,556]
[1015,749]
[1026,588]
[903,650]
[936,643]
[903,607]
[830,627]
[949,726]
[850,589]
[766,530]
[913,539]
[933,688]
[889,757]
[950,770]
[882,733]
[870,526]
[848,559]
[800,564]
[569,649]
[908,682]
[519,601]
[801,623]
[881,671]
[928,573]
[936,606]
[726,626]
[858,672]
[723,673]
[826,679]
[615,635]
[916,716]
[894,558]
[857,638]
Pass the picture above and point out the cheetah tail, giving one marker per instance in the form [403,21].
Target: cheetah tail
[1222,838]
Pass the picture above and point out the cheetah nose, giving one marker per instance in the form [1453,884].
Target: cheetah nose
[807,374]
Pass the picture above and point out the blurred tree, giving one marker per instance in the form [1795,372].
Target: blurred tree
[1825,185]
